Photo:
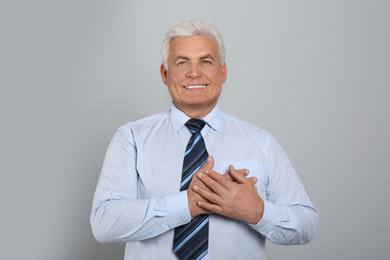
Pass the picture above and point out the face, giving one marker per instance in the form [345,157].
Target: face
[194,76]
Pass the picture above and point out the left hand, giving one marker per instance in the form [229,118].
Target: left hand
[236,198]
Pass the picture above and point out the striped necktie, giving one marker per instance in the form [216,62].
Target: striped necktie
[191,240]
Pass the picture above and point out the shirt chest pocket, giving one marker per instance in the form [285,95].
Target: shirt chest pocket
[256,169]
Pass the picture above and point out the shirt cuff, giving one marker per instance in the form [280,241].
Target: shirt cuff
[270,216]
[177,208]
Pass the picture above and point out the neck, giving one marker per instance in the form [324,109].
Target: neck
[196,113]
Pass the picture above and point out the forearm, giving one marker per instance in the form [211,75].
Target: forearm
[288,225]
[289,216]
[124,220]
[122,213]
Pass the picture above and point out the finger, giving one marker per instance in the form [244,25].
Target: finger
[193,199]
[210,207]
[214,181]
[239,178]
[227,176]
[207,194]
[243,172]
[208,165]
[253,179]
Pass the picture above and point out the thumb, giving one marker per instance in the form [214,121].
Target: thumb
[208,165]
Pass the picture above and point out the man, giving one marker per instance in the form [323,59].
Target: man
[161,192]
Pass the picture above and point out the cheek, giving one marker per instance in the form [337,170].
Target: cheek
[173,79]
[215,75]
[173,84]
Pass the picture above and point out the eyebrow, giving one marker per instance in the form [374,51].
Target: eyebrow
[207,56]
[181,58]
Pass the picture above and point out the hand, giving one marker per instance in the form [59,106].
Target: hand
[237,200]
[194,198]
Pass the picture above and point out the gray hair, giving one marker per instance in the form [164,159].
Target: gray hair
[191,28]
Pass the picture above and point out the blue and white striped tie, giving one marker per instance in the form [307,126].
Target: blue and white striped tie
[191,239]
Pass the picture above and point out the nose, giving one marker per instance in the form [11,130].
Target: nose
[194,71]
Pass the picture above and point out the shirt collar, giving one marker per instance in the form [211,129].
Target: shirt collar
[179,118]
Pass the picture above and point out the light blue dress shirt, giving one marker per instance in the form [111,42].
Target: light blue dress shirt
[137,199]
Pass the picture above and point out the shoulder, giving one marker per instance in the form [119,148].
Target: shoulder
[234,125]
[231,121]
[144,125]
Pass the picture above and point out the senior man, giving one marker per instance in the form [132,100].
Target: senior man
[193,182]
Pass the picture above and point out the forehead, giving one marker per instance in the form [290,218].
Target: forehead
[193,47]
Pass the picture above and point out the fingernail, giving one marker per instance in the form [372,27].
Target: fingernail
[200,175]
[195,188]
[247,171]
[207,172]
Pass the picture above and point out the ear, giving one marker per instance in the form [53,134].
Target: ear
[224,73]
[163,73]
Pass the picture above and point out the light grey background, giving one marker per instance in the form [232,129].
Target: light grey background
[313,73]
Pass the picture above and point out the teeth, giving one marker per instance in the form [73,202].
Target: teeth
[191,87]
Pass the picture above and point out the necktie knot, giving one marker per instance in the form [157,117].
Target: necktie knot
[195,125]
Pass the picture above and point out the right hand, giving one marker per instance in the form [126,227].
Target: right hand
[194,198]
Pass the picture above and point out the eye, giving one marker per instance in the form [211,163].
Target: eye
[206,62]
[183,62]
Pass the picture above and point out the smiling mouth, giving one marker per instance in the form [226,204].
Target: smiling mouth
[195,87]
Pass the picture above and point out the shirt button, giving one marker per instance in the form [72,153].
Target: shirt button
[181,223]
